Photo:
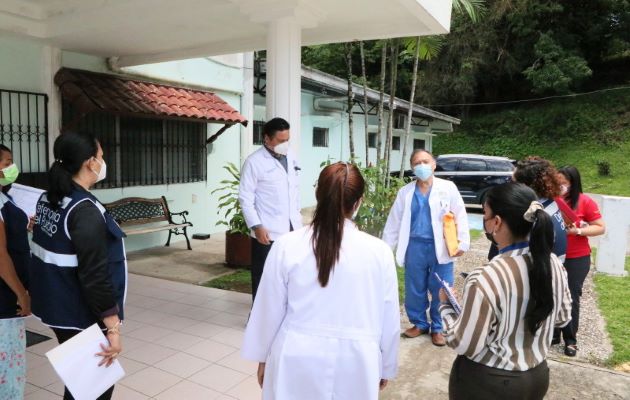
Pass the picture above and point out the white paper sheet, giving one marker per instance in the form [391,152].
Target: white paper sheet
[25,197]
[77,365]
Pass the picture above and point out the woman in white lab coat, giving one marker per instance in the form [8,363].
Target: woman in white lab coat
[326,320]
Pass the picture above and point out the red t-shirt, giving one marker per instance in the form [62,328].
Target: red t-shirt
[587,210]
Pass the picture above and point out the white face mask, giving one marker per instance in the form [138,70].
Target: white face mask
[102,174]
[282,148]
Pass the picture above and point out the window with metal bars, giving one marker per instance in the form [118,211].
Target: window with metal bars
[395,142]
[372,140]
[24,130]
[258,132]
[147,151]
[320,137]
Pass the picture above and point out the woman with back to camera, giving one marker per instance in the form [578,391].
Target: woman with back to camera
[15,302]
[541,176]
[78,272]
[326,321]
[578,260]
[511,306]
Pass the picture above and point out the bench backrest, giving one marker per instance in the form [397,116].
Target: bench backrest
[138,210]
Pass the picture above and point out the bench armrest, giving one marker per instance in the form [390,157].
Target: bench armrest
[181,214]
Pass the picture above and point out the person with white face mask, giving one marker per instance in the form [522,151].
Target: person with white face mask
[78,271]
[415,229]
[269,193]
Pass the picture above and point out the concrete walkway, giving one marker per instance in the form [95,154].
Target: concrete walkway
[181,341]
[424,373]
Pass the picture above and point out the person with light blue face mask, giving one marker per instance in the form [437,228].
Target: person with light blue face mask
[415,230]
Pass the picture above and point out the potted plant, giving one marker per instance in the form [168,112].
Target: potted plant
[237,240]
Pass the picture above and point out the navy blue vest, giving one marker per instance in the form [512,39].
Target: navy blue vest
[56,294]
[15,224]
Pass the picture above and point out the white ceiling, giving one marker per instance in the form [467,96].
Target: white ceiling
[144,31]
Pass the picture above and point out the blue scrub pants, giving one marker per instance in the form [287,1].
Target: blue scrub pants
[420,265]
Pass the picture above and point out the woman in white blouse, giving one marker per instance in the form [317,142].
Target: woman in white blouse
[326,320]
[511,306]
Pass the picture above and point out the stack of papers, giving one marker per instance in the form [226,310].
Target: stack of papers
[77,365]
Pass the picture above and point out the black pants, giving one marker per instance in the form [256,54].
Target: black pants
[577,271]
[473,381]
[259,256]
[62,336]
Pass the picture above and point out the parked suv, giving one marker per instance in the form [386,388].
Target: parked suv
[474,174]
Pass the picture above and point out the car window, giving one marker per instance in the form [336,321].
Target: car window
[472,165]
[501,166]
[446,164]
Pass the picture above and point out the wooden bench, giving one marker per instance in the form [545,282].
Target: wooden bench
[133,214]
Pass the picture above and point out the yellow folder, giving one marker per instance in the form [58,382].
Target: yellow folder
[450,234]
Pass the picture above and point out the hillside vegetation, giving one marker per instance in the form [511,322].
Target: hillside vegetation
[591,132]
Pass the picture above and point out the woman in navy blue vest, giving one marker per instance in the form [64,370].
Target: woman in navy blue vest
[14,299]
[78,271]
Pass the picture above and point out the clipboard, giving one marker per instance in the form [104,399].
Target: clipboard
[449,294]
[77,366]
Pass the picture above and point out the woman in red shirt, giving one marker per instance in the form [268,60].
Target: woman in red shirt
[578,259]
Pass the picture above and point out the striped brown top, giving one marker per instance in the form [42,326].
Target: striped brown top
[491,328]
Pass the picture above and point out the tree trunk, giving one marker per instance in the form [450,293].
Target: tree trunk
[414,79]
[392,96]
[381,101]
[365,105]
[348,47]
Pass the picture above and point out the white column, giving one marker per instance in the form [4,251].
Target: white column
[51,57]
[284,42]
[247,105]
[611,252]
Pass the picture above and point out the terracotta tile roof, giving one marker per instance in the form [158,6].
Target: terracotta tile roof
[122,95]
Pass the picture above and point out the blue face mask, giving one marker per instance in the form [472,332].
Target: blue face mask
[423,171]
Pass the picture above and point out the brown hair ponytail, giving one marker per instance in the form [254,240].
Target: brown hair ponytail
[339,187]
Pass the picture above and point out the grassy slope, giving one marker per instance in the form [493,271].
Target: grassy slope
[579,131]
[614,303]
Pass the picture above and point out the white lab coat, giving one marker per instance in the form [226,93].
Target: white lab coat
[320,343]
[268,194]
[444,197]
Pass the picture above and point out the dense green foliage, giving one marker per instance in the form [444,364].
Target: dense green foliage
[517,49]
[591,132]
[229,206]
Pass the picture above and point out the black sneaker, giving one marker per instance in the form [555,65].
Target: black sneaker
[570,350]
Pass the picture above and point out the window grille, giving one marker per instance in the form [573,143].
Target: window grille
[147,151]
[258,132]
[395,142]
[320,137]
[24,130]
[372,140]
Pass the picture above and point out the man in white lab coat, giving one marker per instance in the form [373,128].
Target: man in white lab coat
[269,193]
[415,229]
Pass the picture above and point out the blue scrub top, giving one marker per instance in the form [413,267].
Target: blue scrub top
[421,227]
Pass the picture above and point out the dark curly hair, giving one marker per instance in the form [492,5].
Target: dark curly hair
[540,175]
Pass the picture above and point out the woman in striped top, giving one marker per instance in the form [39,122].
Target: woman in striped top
[511,306]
